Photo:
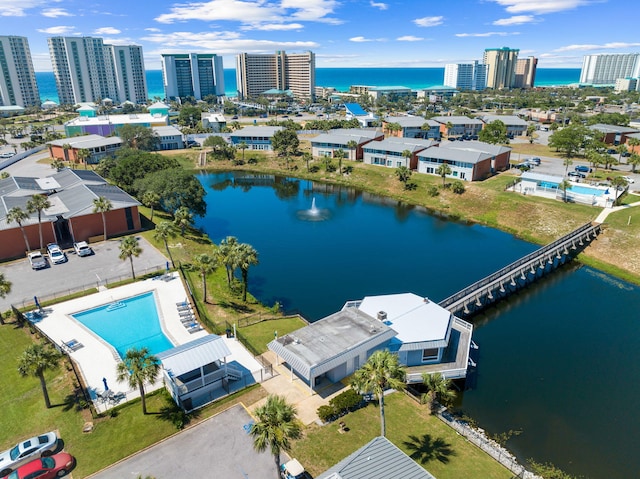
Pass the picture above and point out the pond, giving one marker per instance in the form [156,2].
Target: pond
[557,361]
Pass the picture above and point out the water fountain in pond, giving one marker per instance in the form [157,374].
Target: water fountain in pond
[314,213]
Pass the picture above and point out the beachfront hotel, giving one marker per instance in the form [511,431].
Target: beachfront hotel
[606,68]
[257,74]
[195,75]
[18,85]
[525,72]
[87,70]
[466,76]
[501,67]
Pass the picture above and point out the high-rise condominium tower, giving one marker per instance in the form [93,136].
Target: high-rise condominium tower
[466,76]
[258,73]
[501,64]
[525,72]
[606,68]
[87,70]
[192,74]
[18,80]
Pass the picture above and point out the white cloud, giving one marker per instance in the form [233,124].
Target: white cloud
[360,39]
[604,46]
[151,29]
[253,13]
[409,38]
[515,20]
[56,12]
[59,30]
[12,8]
[428,21]
[540,7]
[380,5]
[486,34]
[269,27]
[106,31]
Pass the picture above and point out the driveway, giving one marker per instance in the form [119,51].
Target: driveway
[77,273]
[218,447]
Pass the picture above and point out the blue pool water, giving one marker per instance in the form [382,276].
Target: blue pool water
[585,190]
[132,322]
[547,184]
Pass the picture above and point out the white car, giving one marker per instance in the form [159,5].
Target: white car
[26,451]
[56,255]
[82,248]
[629,179]
[37,260]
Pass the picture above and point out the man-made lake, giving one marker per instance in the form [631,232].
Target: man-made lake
[558,361]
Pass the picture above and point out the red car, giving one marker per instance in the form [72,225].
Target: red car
[48,467]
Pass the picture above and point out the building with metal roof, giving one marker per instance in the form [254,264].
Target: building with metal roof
[255,137]
[391,152]
[71,216]
[326,144]
[109,125]
[459,125]
[613,134]
[99,147]
[426,337]
[170,138]
[378,459]
[355,111]
[412,127]
[516,126]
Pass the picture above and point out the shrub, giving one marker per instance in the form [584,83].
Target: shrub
[330,168]
[432,190]
[326,413]
[238,162]
[410,186]
[346,401]
[252,161]
[457,187]
[314,169]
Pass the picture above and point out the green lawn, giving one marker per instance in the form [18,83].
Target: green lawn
[260,334]
[433,444]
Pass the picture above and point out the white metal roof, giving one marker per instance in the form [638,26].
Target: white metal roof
[194,354]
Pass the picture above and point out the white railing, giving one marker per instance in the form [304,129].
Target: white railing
[458,373]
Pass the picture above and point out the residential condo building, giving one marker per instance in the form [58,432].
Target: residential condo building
[501,67]
[525,74]
[606,68]
[465,76]
[18,85]
[195,75]
[279,72]
[87,70]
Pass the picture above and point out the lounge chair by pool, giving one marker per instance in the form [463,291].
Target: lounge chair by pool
[72,345]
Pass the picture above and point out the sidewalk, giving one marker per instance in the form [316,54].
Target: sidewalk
[607,211]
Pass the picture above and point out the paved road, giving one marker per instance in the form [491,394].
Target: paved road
[76,273]
[218,448]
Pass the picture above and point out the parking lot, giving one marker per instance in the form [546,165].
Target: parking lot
[77,273]
[218,447]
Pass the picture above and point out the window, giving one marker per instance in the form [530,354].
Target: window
[429,354]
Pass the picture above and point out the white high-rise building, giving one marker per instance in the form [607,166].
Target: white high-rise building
[606,68]
[258,73]
[501,67]
[18,85]
[87,70]
[466,76]
[192,74]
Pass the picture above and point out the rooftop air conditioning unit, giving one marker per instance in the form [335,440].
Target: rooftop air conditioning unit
[382,315]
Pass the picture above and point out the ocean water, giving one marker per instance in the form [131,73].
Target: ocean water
[338,78]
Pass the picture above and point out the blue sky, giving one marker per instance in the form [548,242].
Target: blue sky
[358,33]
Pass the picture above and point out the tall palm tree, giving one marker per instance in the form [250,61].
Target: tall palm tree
[35,361]
[129,247]
[242,146]
[205,264]
[443,170]
[382,371]
[275,427]
[406,154]
[37,204]
[564,186]
[18,215]
[65,149]
[164,231]
[183,218]
[138,367]
[227,255]
[83,155]
[5,286]
[339,154]
[151,199]
[438,390]
[247,256]
[634,161]
[352,145]
[307,157]
[102,205]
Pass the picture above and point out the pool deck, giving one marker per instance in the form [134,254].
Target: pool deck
[97,359]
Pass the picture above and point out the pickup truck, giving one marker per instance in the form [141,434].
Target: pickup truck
[37,260]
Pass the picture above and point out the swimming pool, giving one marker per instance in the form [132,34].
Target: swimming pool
[128,323]
[586,190]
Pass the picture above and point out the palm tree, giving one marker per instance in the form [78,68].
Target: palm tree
[382,371]
[163,231]
[352,145]
[449,127]
[438,390]
[129,247]
[247,256]
[83,155]
[57,164]
[339,154]
[102,205]
[138,367]
[38,203]
[183,218]
[242,146]
[151,199]
[205,264]
[403,173]
[406,154]
[275,427]
[227,255]
[393,127]
[65,149]
[37,359]
[18,215]
[634,161]
[5,286]
[564,186]
[306,156]
[443,170]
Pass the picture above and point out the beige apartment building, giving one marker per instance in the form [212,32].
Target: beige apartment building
[501,67]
